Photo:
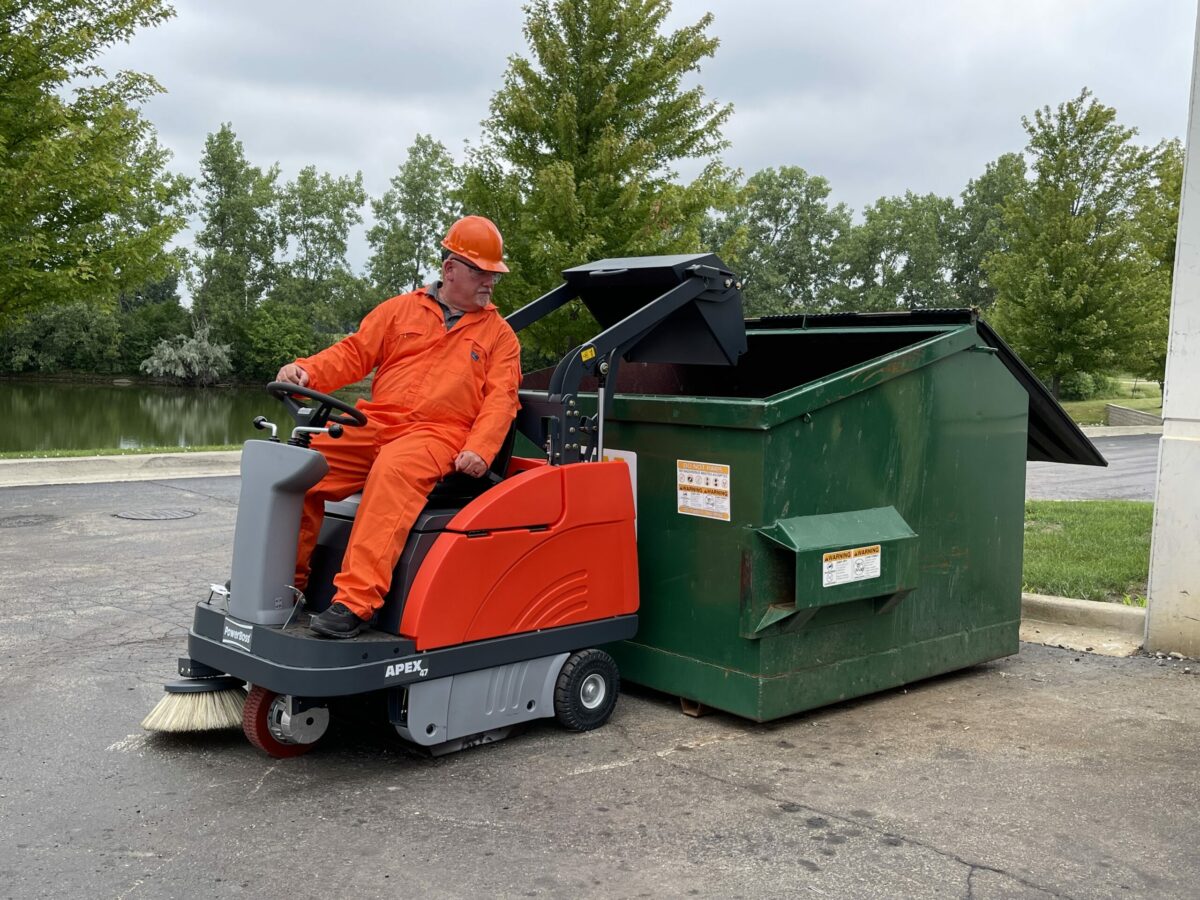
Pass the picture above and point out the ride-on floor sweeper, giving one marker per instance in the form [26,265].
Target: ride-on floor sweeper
[508,585]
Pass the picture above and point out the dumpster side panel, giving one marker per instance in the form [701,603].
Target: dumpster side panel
[942,446]
[691,564]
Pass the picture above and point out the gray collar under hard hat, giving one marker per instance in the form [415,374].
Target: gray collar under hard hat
[449,313]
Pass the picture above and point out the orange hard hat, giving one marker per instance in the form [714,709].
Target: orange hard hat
[477,239]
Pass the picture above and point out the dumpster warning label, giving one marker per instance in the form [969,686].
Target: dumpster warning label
[845,566]
[702,489]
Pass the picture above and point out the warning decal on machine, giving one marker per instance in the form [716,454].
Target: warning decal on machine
[702,489]
[845,566]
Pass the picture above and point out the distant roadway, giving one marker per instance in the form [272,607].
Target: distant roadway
[1132,463]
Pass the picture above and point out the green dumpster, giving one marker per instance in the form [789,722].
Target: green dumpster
[840,513]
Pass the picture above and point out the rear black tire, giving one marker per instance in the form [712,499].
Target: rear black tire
[586,691]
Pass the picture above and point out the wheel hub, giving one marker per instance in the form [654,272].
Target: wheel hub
[592,691]
[304,727]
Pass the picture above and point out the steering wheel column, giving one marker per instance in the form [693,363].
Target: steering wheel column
[275,478]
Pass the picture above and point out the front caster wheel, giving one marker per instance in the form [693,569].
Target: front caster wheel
[586,691]
[269,725]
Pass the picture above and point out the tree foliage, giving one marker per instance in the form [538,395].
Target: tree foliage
[316,213]
[1073,284]
[980,232]
[412,216]
[781,237]
[277,333]
[900,256]
[1156,220]
[578,154]
[88,204]
[62,337]
[146,316]
[235,263]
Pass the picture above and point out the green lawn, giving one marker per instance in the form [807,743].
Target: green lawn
[1090,549]
[109,451]
[1130,392]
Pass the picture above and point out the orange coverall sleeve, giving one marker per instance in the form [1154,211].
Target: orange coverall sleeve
[500,402]
[354,356]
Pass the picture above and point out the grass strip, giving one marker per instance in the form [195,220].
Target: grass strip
[1089,549]
[111,451]
[1092,412]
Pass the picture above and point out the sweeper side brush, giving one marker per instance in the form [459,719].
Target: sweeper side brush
[198,704]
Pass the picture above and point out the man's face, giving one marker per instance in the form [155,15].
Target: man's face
[465,286]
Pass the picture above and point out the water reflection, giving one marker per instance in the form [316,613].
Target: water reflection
[63,416]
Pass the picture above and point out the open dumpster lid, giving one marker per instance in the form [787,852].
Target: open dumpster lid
[1053,435]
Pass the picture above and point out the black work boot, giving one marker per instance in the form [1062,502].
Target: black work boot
[336,622]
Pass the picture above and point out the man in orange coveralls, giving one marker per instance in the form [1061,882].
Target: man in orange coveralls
[447,367]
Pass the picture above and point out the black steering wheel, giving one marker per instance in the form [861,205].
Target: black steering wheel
[328,409]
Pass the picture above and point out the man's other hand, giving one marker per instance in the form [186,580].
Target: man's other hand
[470,463]
[293,374]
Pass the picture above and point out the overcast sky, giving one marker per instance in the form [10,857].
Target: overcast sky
[878,96]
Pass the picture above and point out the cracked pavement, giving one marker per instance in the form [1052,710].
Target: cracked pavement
[1049,774]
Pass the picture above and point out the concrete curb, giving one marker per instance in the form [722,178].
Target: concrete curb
[1129,620]
[1108,629]
[135,467]
[1116,430]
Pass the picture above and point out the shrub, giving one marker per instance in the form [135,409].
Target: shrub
[191,360]
[1086,386]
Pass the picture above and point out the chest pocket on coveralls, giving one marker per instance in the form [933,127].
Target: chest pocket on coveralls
[466,371]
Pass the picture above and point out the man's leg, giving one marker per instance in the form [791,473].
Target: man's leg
[397,488]
[349,458]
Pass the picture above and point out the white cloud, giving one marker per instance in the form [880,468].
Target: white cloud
[878,97]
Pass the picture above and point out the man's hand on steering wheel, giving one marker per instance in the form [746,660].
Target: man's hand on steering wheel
[293,374]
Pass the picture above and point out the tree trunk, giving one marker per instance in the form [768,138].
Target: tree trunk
[1055,384]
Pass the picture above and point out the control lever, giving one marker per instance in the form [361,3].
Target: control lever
[334,430]
[261,423]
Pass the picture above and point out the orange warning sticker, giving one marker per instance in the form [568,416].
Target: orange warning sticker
[702,489]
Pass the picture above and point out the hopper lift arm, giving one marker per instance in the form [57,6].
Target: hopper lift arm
[554,421]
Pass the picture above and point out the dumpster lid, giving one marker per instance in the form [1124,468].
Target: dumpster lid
[1053,435]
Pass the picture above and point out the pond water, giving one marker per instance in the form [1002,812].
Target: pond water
[46,415]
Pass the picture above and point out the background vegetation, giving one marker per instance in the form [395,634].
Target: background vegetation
[1066,244]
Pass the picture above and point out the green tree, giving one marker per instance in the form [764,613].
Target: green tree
[411,218]
[88,204]
[980,231]
[146,316]
[577,156]
[235,264]
[781,238]
[77,336]
[900,257]
[276,333]
[316,213]
[1073,280]
[1156,220]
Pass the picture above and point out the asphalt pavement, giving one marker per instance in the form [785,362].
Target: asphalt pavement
[1048,774]
[1132,465]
